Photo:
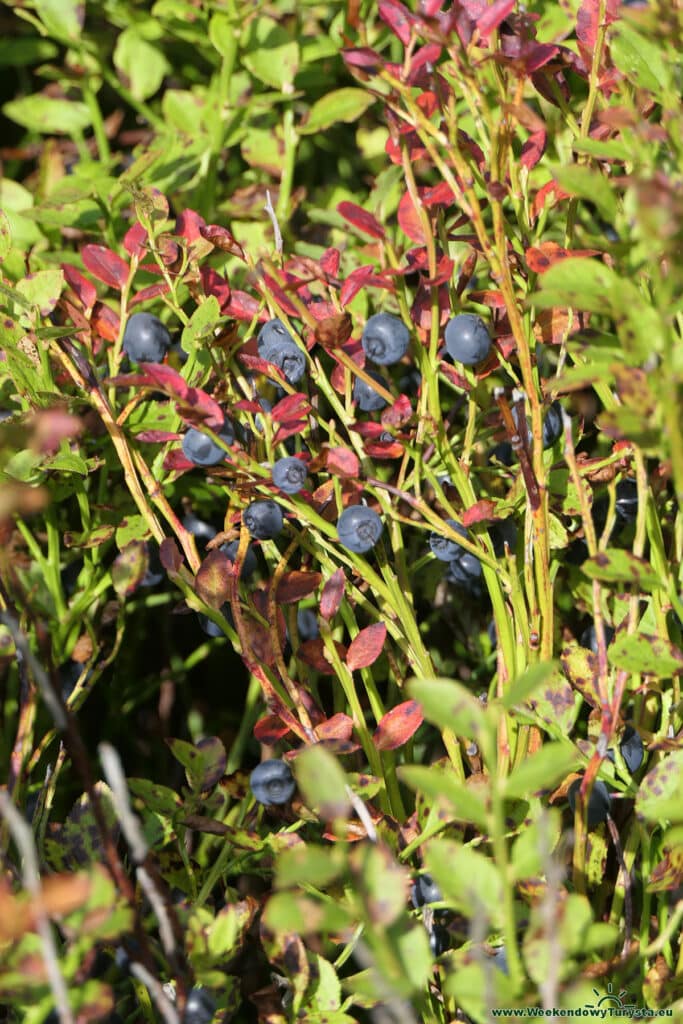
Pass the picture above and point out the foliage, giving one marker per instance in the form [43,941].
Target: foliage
[221,165]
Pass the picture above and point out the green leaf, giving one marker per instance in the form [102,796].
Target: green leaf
[272,54]
[222,34]
[479,986]
[308,864]
[42,289]
[542,771]
[143,64]
[16,52]
[380,884]
[133,527]
[469,880]
[639,58]
[63,19]
[5,235]
[580,283]
[326,993]
[322,782]
[557,705]
[201,325]
[437,782]
[659,794]
[641,653]
[448,704]
[304,915]
[618,566]
[582,181]
[535,843]
[182,109]
[155,797]
[526,684]
[340,105]
[48,115]
[608,149]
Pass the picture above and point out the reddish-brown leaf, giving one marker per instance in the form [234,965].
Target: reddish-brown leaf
[193,404]
[362,277]
[329,262]
[409,219]
[399,19]
[540,258]
[493,16]
[333,594]
[269,730]
[85,290]
[366,648]
[342,462]
[150,292]
[361,219]
[105,265]
[242,306]
[398,725]
[213,580]
[397,414]
[222,239]
[296,585]
[169,555]
[189,224]
[481,512]
[105,322]
[135,240]
[362,57]
[157,436]
[215,284]
[292,407]
[339,727]
[312,652]
[534,148]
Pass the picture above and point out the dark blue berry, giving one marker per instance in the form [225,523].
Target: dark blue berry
[385,339]
[425,890]
[272,782]
[289,474]
[444,548]
[201,531]
[200,1007]
[626,505]
[366,397]
[69,674]
[202,450]
[630,748]
[145,338]
[307,624]
[552,425]
[155,571]
[273,333]
[466,573]
[503,453]
[439,940]
[502,533]
[359,528]
[589,638]
[263,519]
[250,563]
[467,339]
[276,345]
[210,627]
[599,802]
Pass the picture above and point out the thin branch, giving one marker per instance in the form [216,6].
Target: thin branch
[156,991]
[39,674]
[276,227]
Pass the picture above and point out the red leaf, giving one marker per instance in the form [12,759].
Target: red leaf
[398,414]
[176,462]
[243,306]
[534,148]
[383,449]
[214,284]
[398,725]
[312,653]
[342,462]
[213,580]
[283,300]
[399,19]
[329,262]
[292,407]
[357,279]
[588,22]
[157,436]
[296,585]
[361,219]
[333,594]
[222,239]
[169,555]
[85,290]
[480,512]
[339,727]
[269,729]
[150,292]
[290,429]
[437,195]
[188,225]
[541,258]
[493,16]
[409,219]
[135,240]
[105,321]
[550,193]
[362,57]
[193,404]
[366,648]
[105,265]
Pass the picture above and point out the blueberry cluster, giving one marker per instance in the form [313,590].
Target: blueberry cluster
[276,345]
[464,569]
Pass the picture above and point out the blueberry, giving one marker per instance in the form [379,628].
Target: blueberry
[589,638]
[250,563]
[200,530]
[502,533]
[209,626]
[467,339]
[200,1007]
[503,453]
[385,339]
[444,548]
[631,749]
[272,782]
[276,345]
[307,624]
[552,425]
[69,674]
[425,890]
[289,474]
[263,519]
[359,528]
[627,500]
[155,570]
[598,804]
[466,572]
[200,449]
[500,959]
[439,940]
[145,338]
[367,398]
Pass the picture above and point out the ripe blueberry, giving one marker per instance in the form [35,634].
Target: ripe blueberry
[276,345]
[466,572]
[146,339]
[209,626]
[439,940]
[503,453]
[502,533]
[630,748]
[367,398]
[203,532]
[385,339]
[200,1007]
[273,333]
[425,890]
[307,624]
[589,638]
[359,528]
[599,802]
[552,425]
[272,782]
[444,548]
[626,505]
[155,571]
[467,339]
[289,474]
[250,563]
[263,519]
[200,449]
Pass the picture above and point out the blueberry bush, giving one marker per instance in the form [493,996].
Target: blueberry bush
[341,469]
